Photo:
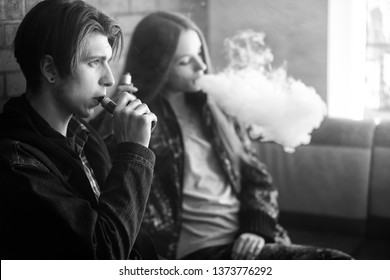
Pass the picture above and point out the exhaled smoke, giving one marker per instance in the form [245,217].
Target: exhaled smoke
[274,106]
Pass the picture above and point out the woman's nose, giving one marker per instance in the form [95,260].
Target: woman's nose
[107,78]
[200,65]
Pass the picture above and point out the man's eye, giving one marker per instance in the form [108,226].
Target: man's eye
[94,62]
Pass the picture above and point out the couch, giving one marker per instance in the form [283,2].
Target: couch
[335,192]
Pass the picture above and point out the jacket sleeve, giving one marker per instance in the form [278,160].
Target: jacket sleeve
[259,206]
[127,190]
[43,217]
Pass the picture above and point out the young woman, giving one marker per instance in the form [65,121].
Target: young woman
[211,198]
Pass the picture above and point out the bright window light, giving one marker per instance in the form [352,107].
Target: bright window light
[359,59]
[346,58]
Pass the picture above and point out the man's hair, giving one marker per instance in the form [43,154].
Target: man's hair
[58,28]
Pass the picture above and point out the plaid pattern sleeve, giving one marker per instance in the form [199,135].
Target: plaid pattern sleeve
[80,137]
[91,176]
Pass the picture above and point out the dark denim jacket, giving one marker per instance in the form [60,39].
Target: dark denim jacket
[48,209]
[250,179]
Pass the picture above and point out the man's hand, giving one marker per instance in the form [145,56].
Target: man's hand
[132,120]
[247,246]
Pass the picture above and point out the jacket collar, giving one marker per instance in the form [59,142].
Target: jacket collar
[19,121]
[18,113]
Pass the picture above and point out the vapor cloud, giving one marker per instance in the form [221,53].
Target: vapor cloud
[275,106]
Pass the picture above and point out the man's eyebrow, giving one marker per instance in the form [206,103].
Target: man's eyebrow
[93,57]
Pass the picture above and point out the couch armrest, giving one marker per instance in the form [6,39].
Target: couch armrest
[379,197]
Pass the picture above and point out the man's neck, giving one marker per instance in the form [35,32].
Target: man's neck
[46,106]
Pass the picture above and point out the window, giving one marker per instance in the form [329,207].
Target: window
[378,58]
[359,59]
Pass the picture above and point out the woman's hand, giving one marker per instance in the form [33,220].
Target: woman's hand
[247,246]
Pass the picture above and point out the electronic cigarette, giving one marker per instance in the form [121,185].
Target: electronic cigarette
[110,105]
[107,104]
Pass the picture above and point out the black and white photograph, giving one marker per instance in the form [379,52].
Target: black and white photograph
[195,138]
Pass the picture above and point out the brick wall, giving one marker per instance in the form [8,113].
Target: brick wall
[126,12]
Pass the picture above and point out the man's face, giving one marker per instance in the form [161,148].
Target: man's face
[78,93]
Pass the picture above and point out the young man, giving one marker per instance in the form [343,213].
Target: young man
[60,196]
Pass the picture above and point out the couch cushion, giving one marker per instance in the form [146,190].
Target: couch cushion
[329,177]
[324,180]
[344,132]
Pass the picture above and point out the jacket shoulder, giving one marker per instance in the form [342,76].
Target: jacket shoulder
[14,152]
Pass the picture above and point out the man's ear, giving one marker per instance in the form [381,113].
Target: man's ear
[48,68]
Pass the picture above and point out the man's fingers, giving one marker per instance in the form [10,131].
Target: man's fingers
[130,105]
[152,119]
[124,99]
[142,109]
[137,107]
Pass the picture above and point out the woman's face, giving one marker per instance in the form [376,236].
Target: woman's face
[187,65]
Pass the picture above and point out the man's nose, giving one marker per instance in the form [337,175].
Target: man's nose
[107,78]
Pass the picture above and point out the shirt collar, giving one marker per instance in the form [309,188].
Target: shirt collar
[77,134]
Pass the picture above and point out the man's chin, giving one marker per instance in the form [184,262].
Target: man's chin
[88,114]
